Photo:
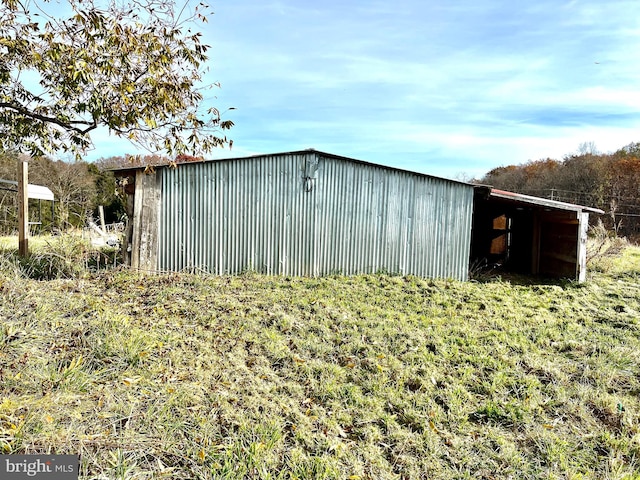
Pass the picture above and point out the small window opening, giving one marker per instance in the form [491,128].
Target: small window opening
[501,238]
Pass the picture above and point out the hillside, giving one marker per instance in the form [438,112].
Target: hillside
[369,377]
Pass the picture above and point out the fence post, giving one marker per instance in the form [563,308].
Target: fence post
[102,224]
[23,208]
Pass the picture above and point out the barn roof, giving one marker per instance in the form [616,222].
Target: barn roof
[126,169]
[485,190]
[519,198]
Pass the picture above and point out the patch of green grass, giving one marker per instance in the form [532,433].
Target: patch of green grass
[50,257]
[366,377]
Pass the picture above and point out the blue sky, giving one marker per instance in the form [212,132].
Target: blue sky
[446,88]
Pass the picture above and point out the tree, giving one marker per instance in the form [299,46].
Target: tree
[107,194]
[583,177]
[75,190]
[8,193]
[135,68]
[609,181]
[531,178]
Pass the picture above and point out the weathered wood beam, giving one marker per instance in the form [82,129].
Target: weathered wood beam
[23,208]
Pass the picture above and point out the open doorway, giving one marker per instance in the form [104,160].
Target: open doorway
[529,235]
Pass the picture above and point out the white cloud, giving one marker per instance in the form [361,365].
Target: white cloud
[438,86]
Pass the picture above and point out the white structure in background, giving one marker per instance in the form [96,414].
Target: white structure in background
[37,192]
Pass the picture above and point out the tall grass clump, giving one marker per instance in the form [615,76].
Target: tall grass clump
[65,256]
[604,248]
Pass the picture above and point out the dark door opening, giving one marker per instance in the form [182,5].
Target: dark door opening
[528,235]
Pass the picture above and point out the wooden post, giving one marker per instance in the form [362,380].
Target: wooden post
[583,228]
[102,224]
[23,208]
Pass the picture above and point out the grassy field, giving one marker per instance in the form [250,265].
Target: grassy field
[367,377]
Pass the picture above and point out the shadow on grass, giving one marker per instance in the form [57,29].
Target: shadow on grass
[521,279]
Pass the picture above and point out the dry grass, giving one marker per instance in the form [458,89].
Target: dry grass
[369,377]
[71,255]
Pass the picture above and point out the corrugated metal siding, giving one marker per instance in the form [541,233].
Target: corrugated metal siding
[305,214]
[377,219]
[229,216]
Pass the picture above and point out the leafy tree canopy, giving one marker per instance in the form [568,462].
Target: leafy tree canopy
[133,67]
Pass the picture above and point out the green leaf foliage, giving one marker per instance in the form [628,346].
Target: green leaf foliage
[133,68]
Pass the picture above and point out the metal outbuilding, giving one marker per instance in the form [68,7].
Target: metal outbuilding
[298,213]
[530,235]
[312,213]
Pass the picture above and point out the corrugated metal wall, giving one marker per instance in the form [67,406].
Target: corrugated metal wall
[310,214]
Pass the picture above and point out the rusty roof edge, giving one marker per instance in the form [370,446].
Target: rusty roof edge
[545,202]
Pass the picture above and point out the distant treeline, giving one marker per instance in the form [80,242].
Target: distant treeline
[608,181]
[79,188]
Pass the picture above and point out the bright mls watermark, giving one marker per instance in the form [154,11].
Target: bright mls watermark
[39,467]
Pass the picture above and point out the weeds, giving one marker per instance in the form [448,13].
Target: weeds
[371,377]
[603,247]
[66,256]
